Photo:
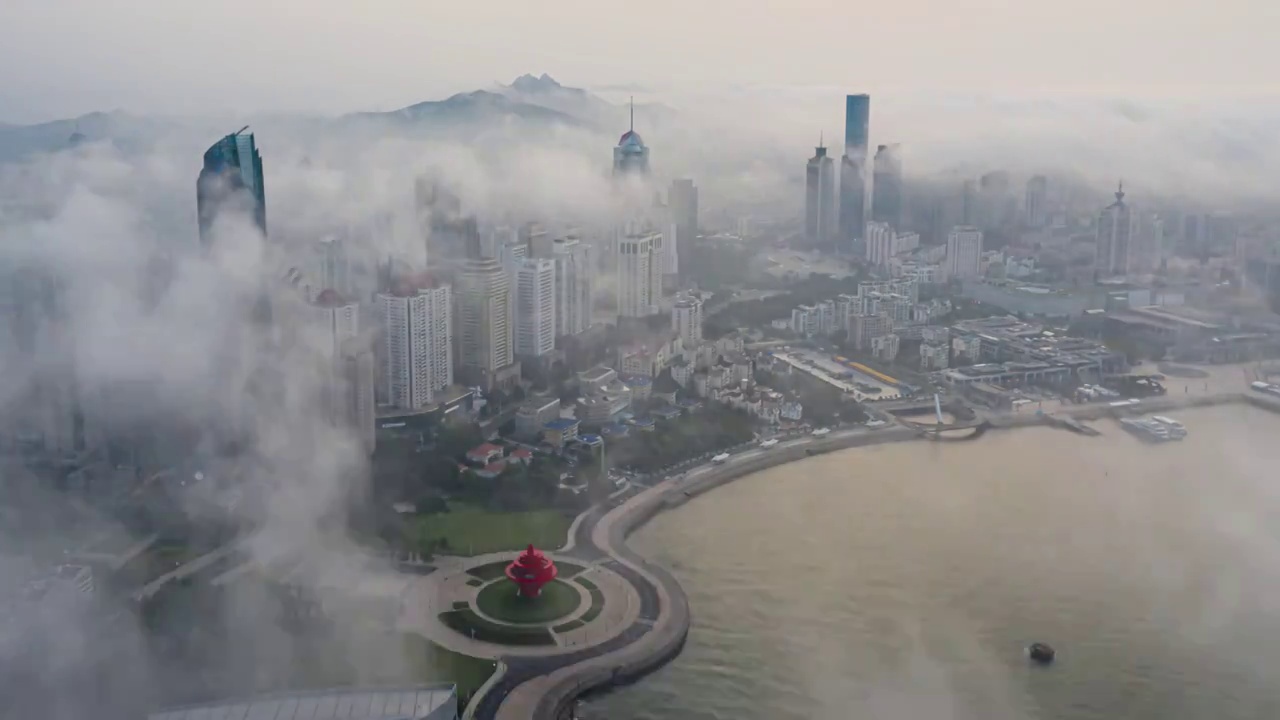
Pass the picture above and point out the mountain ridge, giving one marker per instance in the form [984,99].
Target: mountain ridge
[537,101]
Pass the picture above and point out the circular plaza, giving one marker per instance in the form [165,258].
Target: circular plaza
[522,603]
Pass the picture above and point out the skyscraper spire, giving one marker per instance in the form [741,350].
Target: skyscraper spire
[820,138]
[1120,192]
[633,113]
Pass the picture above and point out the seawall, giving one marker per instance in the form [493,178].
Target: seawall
[668,635]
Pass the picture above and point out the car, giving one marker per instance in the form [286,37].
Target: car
[768,443]
[821,431]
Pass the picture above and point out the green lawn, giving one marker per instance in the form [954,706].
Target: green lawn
[472,625]
[472,531]
[501,600]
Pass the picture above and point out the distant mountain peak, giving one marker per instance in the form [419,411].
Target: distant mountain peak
[543,84]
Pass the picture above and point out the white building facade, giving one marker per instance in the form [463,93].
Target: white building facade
[535,307]
[686,320]
[574,273]
[639,281]
[964,253]
[417,334]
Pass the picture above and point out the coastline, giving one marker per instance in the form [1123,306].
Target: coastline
[548,697]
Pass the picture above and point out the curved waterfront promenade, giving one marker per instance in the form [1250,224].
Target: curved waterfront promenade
[545,687]
[544,690]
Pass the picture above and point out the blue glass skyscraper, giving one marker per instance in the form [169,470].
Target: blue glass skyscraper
[853,171]
[231,177]
[857,121]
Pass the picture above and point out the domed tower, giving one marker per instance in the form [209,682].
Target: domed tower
[631,156]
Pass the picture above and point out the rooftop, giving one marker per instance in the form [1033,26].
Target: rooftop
[561,424]
[384,704]
[483,450]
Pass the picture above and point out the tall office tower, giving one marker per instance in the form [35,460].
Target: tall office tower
[359,403]
[536,239]
[886,188]
[969,203]
[417,331]
[631,156]
[510,251]
[880,241]
[535,311]
[334,320]
[683,200]
[819,197]
[853,170]
[964,253]
[574,273]
[639,273]
[686,320]
[997,206]
[231,180]
[671,250]
[330,268]
[441,222]
[483,325]
[1116,229]
[1147,244]
[1034,210]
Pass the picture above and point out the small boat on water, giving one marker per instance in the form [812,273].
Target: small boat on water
[1157,429]
[1041,653]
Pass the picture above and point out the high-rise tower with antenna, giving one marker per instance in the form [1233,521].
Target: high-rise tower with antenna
[631,155]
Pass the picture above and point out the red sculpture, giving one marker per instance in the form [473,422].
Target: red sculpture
[531,570]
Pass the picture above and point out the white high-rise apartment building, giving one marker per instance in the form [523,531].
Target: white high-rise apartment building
[574,273]
[639,273]
[880,243]
[417,327]
[483,317]
[964,253]
[535,312]
[686,320]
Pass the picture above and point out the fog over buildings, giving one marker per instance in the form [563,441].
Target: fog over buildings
[151,254]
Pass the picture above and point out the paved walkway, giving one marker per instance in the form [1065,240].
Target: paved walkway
[523,701]
[428,596]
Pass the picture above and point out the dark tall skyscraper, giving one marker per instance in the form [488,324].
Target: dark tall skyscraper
[819,197]
[853,170]
[683,199]
[231,179]
[1034,210]
[886,190]
[857,122]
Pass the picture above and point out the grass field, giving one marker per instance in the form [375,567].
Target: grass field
[501,600]
[472,531]
[472,625]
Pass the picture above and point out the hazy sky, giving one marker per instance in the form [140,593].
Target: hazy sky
[65,57]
